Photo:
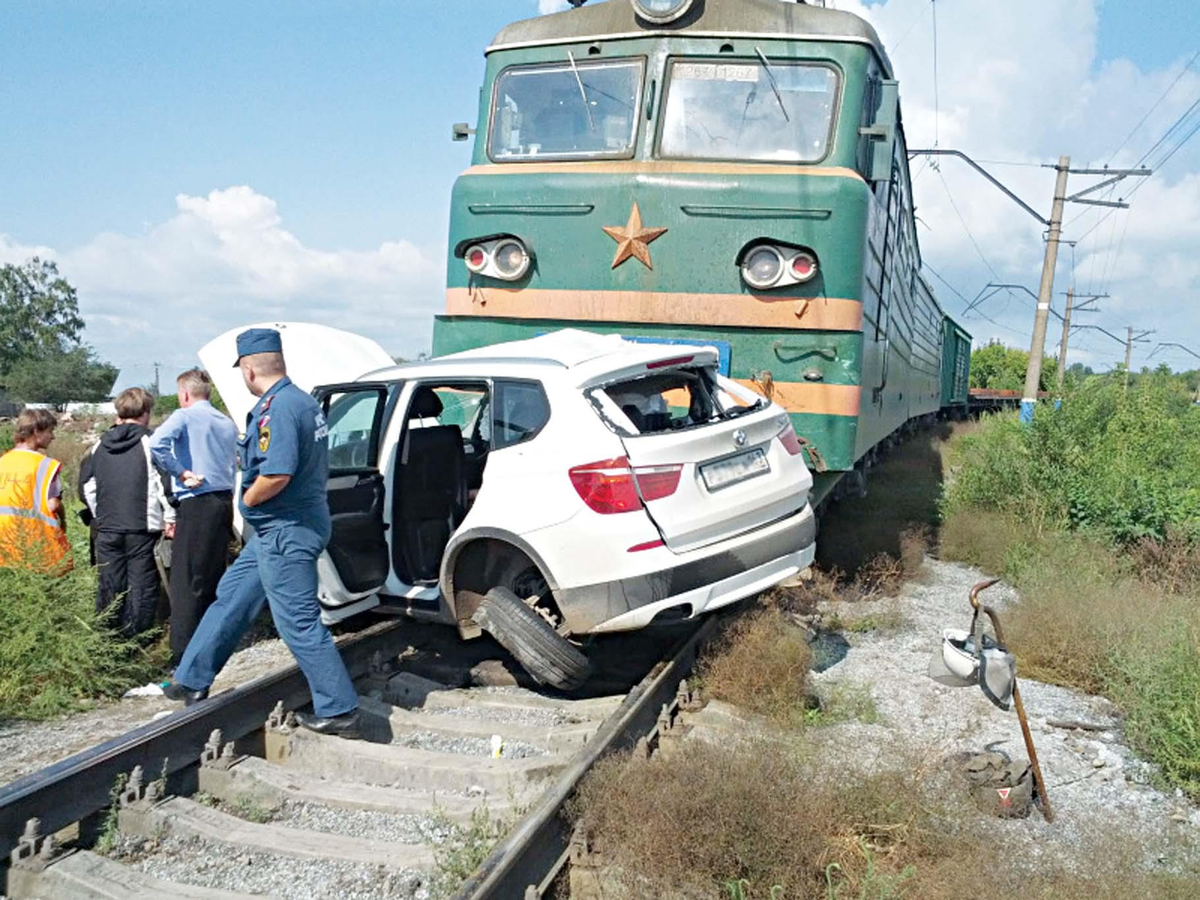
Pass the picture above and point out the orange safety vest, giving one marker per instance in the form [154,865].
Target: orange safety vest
[30,535]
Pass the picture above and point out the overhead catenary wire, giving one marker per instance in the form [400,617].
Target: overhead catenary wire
[938,275]
[1154,105]
[1157,164]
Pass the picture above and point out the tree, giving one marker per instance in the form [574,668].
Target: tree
[39,312]
[60,376]
[42,356]
[999,368]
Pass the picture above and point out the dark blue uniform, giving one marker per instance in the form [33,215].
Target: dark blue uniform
[285,435]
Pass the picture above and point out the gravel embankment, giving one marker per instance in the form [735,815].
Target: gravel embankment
[26,747]
[1098,787]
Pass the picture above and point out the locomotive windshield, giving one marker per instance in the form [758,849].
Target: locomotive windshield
[772,111]
[566,111]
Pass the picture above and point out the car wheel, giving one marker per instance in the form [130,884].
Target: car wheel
[544,653]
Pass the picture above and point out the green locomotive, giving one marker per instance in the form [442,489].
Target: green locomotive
[721,172]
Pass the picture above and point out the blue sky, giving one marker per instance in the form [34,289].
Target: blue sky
[123,118]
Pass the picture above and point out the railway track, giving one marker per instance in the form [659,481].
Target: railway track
[229,799]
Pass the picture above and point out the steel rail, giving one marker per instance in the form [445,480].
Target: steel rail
[77,787]
[528,859]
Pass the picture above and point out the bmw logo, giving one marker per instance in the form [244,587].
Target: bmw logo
[739,438]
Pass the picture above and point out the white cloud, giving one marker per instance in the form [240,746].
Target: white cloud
[552,6]
[226,259]
[1018,82]
[1021,82]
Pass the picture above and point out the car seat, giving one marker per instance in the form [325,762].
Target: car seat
[431,488]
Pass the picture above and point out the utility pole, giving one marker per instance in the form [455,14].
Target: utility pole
[1130,339]
[1037,346]
[156,367]
[1062,350]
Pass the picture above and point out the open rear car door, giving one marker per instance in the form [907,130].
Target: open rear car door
[356,562]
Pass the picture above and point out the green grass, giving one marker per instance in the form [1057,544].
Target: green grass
[465,847]
[1093,513]
[1122,465]
[57,654]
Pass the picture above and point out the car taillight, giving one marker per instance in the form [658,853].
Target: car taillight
[656,482]
[608,486]
[787,437]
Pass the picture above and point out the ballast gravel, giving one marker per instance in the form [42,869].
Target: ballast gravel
[357,823]
[530,717]
[196,862]
[1098,787]
[468,745]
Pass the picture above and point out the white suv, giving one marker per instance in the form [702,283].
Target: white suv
[544,489]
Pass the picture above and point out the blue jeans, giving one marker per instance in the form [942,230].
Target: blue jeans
[278,566]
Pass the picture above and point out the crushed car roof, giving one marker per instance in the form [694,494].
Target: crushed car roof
[582,352]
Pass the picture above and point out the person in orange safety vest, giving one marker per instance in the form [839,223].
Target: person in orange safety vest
[32,519]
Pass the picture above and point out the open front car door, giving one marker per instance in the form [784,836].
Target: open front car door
[355,564]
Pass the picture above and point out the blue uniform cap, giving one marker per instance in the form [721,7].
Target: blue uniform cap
[257,340]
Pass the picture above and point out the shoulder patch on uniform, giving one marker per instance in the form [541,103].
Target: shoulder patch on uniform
[264,438]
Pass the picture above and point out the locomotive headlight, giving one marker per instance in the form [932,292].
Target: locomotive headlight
[660,12]
[501,256]
[762,267]
[511,259]
[476,259]
[804,266]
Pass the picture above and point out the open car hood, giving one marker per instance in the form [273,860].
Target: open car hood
[315,354]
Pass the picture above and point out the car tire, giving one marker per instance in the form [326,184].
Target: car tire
[544,653]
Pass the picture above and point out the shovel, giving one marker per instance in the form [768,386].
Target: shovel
[1016,696]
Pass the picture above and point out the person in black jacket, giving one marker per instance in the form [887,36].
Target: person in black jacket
[125,494]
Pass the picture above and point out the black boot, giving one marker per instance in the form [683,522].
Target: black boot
[346,725]
[189,697]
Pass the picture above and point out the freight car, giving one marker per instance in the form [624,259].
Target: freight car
[730,173]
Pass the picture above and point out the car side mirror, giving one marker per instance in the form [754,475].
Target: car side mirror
[460,131]
[881,133]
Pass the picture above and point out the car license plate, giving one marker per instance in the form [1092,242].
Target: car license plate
[729,471]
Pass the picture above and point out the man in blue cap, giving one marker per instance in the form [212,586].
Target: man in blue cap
[284,458]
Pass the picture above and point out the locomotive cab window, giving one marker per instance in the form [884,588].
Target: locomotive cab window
[757,109]
[570,110]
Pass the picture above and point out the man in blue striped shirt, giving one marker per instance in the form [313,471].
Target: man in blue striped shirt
[197,445]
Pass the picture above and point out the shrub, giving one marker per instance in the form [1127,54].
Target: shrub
[763,818]
[1120,463]
[56,652]
[768,821]
[761,664]
[6,437]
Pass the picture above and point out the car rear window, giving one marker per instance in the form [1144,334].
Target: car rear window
[674,400]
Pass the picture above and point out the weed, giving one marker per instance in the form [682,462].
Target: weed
[465,847]
[766,822]
[761,664]
[56,652]
[251,810]
[885,621]
[110,830]
[754,821]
